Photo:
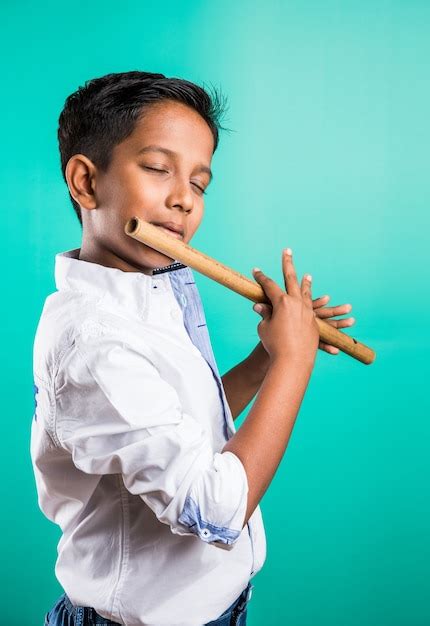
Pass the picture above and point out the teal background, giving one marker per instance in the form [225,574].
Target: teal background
[329,104]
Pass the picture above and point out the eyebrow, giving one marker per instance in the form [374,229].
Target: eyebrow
[153,148]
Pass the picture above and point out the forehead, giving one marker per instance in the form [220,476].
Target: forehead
[174,126]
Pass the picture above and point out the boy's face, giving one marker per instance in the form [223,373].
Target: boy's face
[131,188]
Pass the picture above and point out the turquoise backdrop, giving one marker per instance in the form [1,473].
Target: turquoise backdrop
[329,103]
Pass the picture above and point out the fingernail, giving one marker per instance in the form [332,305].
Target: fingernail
[288,251]
[256,269]
[309,277]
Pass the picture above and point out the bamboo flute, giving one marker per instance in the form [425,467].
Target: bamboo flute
[176,249]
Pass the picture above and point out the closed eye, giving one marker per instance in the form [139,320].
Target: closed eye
[200,188]
[154,169]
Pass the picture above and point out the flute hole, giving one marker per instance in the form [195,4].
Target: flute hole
[131,225]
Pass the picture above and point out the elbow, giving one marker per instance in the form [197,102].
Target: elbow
[216,504]
[221,536]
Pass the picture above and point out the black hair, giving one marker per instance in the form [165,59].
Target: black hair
[104,111]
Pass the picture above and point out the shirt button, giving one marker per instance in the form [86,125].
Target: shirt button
[205,532]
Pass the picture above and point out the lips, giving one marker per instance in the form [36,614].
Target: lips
[172,229]
[170,232]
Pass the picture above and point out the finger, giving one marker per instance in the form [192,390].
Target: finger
[331,311]
[343,323]
[306,289]
[328,348]
[265,310]
[321,301]
[272,290]
[290,278]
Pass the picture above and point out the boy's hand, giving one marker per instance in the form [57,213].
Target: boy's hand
[327,314]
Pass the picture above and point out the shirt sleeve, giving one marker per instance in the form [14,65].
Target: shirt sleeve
[116,414]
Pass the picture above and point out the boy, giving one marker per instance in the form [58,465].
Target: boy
[133,444]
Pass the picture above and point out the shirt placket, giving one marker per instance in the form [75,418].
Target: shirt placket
[186,293]
[188,297]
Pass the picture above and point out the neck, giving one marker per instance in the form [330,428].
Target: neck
[104,256]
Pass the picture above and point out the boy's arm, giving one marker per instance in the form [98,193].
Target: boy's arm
[243,381]
[115,414]
[261,441]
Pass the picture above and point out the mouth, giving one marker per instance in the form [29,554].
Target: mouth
[169,231]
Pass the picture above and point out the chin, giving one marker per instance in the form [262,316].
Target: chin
[147,258]
[160,260]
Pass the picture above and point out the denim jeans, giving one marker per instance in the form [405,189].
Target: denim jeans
[63,613]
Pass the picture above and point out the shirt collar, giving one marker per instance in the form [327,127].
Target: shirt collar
[125,289]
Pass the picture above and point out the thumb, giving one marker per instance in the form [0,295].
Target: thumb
[262,309]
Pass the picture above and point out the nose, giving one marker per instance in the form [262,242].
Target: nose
[181,196]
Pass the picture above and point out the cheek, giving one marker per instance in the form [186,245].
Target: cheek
[134,191]
[194,223]
[150,198]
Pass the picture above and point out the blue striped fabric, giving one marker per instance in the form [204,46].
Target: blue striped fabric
[208,532]
[188,297]
[187,294]
[35,392]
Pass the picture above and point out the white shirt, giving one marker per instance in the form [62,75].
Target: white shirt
[126,439]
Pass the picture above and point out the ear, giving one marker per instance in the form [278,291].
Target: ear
[80,176]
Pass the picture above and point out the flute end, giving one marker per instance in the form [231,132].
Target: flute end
[131,225]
